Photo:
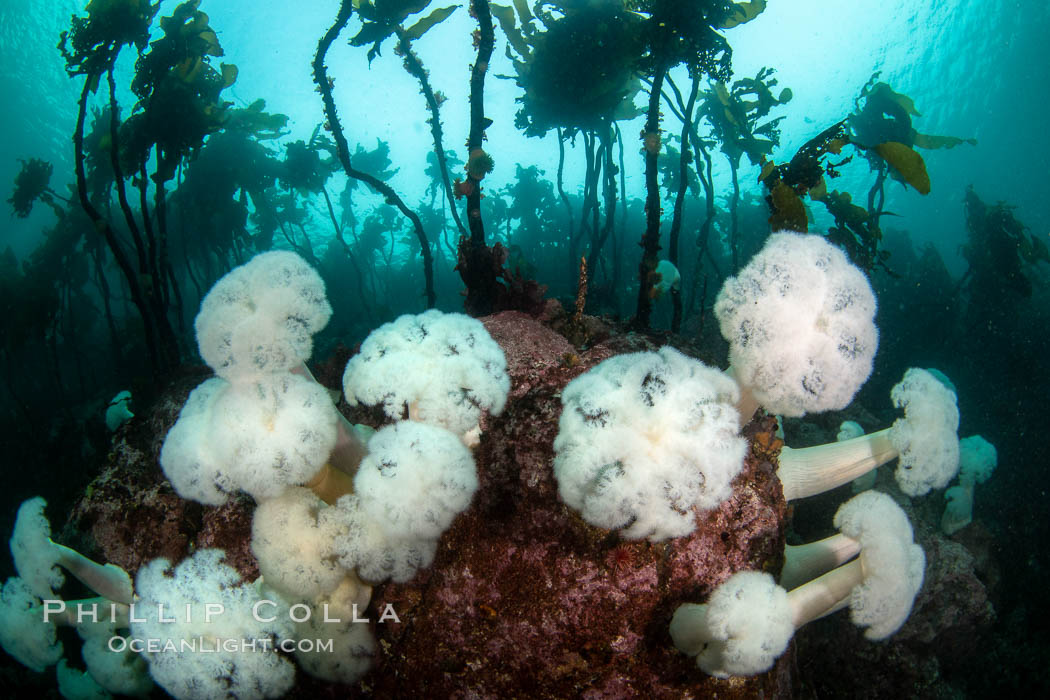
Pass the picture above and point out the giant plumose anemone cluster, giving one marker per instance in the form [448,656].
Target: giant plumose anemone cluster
[647,443]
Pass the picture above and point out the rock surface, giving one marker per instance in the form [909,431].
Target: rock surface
[526,598]
[523,598]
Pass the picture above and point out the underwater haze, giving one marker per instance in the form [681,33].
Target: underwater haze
[973,70]
[215,206]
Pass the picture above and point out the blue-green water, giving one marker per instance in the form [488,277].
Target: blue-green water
[961,273]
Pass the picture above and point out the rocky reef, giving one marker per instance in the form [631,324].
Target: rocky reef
[523,595]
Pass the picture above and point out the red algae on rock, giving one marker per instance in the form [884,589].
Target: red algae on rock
[130,514]
[524,597]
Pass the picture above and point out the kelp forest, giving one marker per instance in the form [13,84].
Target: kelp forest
[670,175]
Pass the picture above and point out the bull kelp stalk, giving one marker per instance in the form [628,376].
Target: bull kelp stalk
[144,252]
[877,195]
[703,174]
[161,271]
[179,106]
[589,206]
[477,264]
[478,122]
[163,259]
[684,159]
[600,170]
[148,251]
[609,189]
[90,49]
[676,33]
[324,86]
[651,238]
[620,236]
[564,197]
[415,68]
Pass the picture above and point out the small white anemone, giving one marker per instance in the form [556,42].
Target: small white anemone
[293,537]
[645,440]
[977,461]
[179,606]
[260,437]
[260,318]
[800,322]
[749,620]
[443,369]
[412,484]
[924,439]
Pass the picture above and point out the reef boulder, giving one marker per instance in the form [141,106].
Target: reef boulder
[524,596]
